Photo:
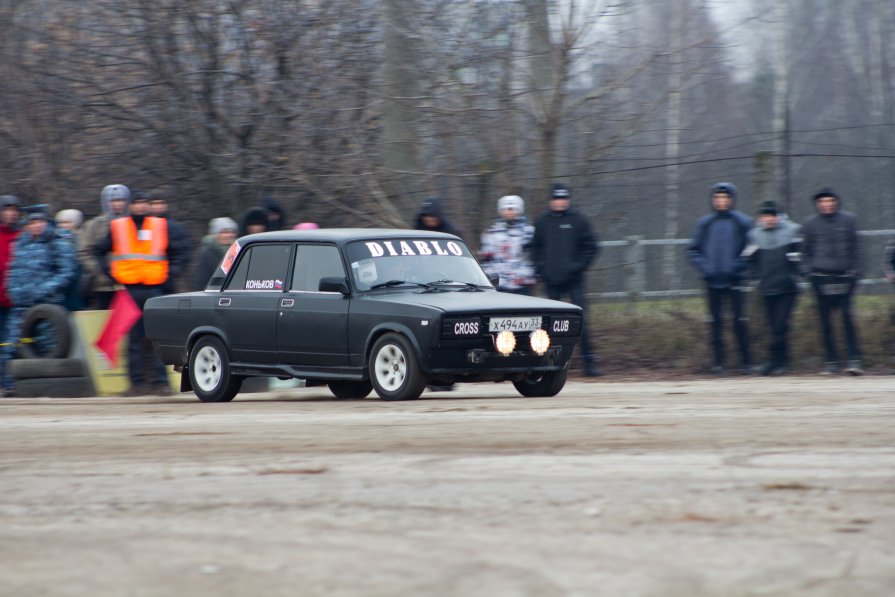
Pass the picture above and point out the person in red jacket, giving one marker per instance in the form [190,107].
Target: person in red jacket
[9,231]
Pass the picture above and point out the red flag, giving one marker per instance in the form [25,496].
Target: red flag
[124,313]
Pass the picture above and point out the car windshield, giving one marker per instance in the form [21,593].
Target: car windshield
[413,263]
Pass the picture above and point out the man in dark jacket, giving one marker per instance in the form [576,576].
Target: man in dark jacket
[562,248]
[178,237]
[773,254]
[832,258]
[716,252]
[430,216]
[9,231]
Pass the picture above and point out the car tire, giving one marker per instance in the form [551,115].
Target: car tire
[57,318]
[394,370]
[351,390]
[47,368]
[542,385]
[55,387]
[209,370]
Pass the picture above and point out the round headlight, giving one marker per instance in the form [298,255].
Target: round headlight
[540,342]
[505,342]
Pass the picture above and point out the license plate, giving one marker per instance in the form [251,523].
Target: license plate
[514,324]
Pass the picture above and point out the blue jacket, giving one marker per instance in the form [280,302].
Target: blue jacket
[41,270]
[717,247]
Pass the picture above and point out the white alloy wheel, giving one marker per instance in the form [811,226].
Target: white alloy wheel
[390,367]
[208,369]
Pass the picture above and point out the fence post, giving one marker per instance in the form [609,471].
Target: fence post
[635,268]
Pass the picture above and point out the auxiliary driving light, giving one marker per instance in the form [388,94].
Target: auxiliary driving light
[540,342]
[505,342]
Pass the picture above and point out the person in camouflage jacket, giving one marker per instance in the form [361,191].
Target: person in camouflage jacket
[42,267]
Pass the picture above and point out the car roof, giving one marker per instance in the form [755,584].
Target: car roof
[342,235]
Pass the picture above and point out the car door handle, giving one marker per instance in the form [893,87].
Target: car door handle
[224,302]
[287,302]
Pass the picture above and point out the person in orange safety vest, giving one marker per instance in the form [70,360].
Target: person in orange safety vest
[136,254]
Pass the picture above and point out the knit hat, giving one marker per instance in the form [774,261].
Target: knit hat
[768,208]
[560,191]
[36,212]
[115,191]
[513,202]
[728,188]
[9,200]
[306,226]
[70,215]
[826,192]
[218,225]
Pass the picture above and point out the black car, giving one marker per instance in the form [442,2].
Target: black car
[358,309]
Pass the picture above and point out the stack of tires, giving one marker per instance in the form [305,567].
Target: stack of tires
[45,367]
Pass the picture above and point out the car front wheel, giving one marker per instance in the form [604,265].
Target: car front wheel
[394,369]
[209,371]
[542,385]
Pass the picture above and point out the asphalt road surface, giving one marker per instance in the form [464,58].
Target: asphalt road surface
[730,487]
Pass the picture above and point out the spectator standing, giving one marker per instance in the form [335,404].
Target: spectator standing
[276,215]
[140,261]
[430,216]
[563,247]
[716,251]
[178,238]
[773,256]
[221,234]
[832,258]
[97,287]
[505,245]
[42,267]
[254,220]
[68,223]
[9,231]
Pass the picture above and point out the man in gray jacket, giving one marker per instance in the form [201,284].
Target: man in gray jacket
[831,254]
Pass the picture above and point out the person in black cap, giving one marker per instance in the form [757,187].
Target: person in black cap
[562,248]
[773,256]
[832,257]
[716,252]
[254,220]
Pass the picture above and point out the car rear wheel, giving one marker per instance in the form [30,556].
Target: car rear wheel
[542,385]
[350,390]
[209,371]
[394,370]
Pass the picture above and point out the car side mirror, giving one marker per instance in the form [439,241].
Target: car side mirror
[334,284]
[494,279]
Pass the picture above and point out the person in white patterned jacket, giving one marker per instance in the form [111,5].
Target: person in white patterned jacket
[505,244]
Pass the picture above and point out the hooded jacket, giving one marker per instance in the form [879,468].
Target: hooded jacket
[253,215]
[432,207]
[563,247]
[273,206]
[93,279]
[716,250]
[831,243]
[772,257]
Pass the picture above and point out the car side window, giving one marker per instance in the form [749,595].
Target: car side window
[313,262]
[262,268]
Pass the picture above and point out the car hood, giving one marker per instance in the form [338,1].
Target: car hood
[465,301]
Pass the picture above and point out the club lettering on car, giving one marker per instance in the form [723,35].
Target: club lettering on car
[359,310]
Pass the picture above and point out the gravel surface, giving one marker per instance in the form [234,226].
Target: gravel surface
[737,486]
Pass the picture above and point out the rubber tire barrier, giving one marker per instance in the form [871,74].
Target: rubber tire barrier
[47,368]
[55,387]
[58,318]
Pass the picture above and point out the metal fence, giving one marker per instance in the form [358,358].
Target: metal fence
[637,268]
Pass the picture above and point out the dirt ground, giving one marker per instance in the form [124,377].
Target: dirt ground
[685,488]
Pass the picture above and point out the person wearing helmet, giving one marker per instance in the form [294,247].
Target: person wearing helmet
[97,288]
[716,252]
[504,246]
